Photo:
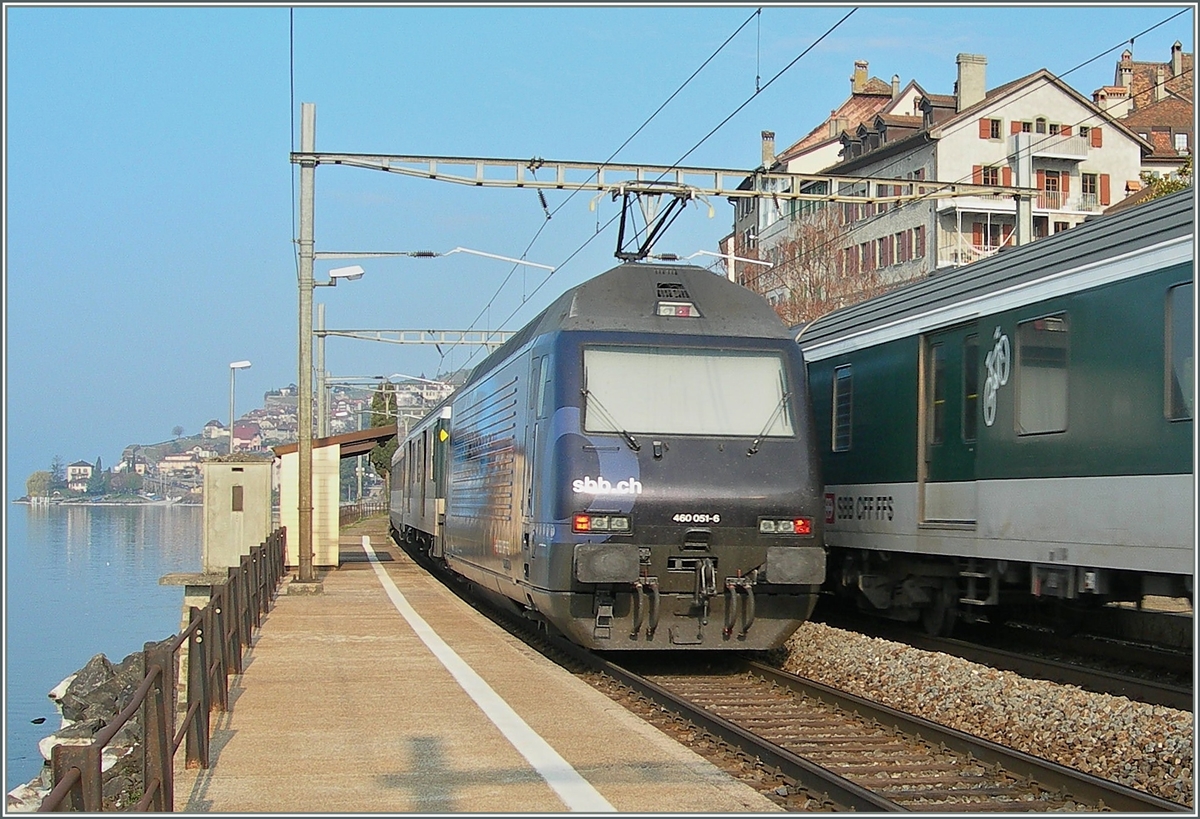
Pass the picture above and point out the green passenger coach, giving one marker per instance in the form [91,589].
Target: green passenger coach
[1016,431]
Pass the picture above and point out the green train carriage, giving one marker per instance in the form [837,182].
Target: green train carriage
[1017,431]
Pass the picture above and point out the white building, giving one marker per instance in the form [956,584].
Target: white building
[1080,158]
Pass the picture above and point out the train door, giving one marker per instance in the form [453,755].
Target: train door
[949,425]
[536,366]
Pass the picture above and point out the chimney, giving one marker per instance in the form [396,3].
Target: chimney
[833,123]
[768,149]
[1125,69]
[1160,83]
[895,86]
[972,80]
[1177,59]
[858,82]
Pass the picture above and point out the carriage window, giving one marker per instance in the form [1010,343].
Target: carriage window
[1181,364]
[970,387]
[1042,346]
[686,391]
[843,403]
[937,388]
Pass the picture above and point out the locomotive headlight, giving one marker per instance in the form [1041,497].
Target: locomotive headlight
[599,523]
[788,526]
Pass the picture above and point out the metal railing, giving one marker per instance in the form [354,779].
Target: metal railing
[234,611]
[349,513]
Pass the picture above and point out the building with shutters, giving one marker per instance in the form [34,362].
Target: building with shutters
[1081,159]
[1157,101]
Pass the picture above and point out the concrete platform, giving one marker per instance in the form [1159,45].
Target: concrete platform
[343,706]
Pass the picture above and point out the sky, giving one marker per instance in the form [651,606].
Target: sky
[151,208]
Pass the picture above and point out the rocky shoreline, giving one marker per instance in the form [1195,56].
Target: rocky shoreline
[87,701]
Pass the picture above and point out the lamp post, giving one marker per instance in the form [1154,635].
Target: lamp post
[234,366]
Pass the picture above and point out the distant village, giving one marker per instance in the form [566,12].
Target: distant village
[170,471]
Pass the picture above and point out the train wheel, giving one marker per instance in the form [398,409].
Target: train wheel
[940,616]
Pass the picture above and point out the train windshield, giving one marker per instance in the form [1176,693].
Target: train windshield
[686,391]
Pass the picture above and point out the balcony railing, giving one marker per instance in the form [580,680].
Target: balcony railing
[960,253]
[1056,146]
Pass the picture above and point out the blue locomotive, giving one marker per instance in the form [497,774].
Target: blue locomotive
[635,468]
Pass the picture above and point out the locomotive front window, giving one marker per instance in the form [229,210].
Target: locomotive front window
[686,392]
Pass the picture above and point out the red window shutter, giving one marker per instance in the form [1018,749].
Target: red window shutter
[1097,138]
[1066,130]
[977,234]
[985,128]
[1064,181]
[977,174]
[1014,127]
[1104,189]
[1006,174]
[1041,180]
[919,235]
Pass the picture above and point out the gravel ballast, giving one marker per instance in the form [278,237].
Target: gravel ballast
[1143,746]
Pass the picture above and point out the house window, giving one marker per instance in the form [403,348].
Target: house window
[991,176]
[1181,142]
[1084,131]
[1089,191]
[1026,127]
[1041,374]
[1054,128]
[1180,364]
[1040,125]
[843,404]
[919,242]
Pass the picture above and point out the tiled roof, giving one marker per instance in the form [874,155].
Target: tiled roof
[859,108]
[1172,112]
[901,121]
[1145,76]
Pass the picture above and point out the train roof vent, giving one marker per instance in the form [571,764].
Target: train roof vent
[672,290]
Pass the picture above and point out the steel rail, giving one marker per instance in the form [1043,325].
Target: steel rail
[1050,774]
[807,774]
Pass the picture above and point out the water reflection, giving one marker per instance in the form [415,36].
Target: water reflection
[80,581]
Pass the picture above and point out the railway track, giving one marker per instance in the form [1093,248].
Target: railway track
[865,756]
[830,749]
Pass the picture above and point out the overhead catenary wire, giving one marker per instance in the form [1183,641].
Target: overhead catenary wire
[691,150]
[599,229]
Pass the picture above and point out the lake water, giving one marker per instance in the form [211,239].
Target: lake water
[81,581]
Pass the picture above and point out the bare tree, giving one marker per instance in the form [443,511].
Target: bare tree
[813,274]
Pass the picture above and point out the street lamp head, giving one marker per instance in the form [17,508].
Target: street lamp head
[352,272]
[238,365]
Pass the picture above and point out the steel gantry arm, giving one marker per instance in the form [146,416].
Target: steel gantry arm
[616,178]
[647,183]
[488,338]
